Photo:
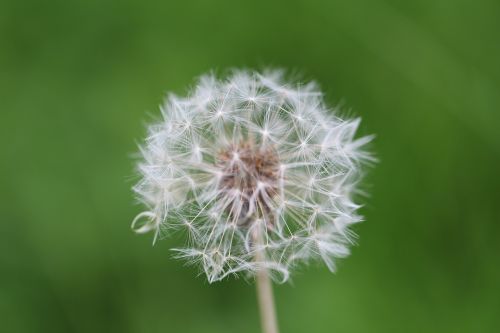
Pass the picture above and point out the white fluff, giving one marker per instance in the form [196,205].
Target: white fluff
[311,204]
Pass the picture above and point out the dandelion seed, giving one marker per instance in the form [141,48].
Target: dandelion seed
[246,149]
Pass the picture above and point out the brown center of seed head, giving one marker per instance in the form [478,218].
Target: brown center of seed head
[252,171]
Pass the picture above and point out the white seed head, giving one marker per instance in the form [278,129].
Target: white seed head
[247,164]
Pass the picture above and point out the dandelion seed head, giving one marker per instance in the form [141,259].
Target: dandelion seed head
[247,158]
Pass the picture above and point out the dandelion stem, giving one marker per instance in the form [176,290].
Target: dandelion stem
[266,302]
[265,295]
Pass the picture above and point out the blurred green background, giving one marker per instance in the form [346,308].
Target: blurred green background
[79,80]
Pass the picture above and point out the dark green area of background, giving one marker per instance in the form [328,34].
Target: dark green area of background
[79,79]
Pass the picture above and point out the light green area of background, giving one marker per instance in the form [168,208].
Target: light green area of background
[79,79]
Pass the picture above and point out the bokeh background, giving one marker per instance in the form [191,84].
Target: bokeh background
[80,79]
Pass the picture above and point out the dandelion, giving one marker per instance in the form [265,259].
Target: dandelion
[261,175]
